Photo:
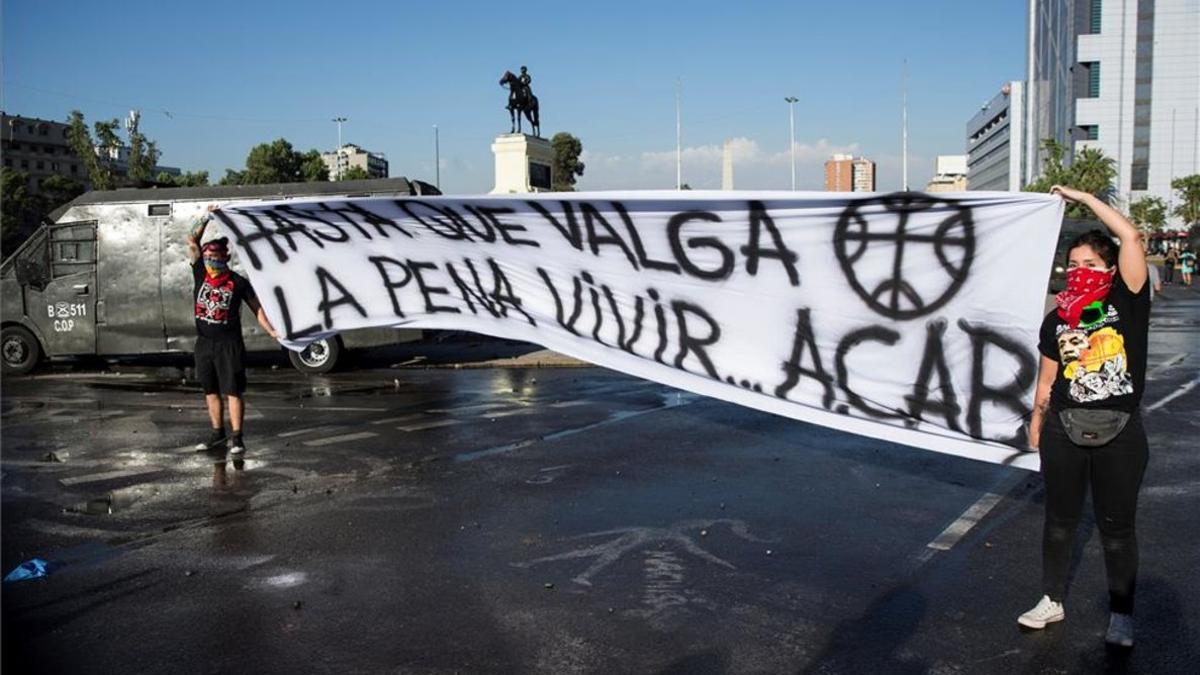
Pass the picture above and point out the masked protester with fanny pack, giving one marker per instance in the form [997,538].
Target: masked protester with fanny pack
[1086,422]
[220,352]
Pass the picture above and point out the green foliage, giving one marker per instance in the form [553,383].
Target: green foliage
[1091,171]
[23,210]
[278,162]
[312,167]
[58,190]
[1188,189]
[99,168]
[1149,212]
[98,152]
[567,149]
[20,210]
[186,179]
[354,173]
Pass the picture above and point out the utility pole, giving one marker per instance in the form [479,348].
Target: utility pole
[678,135]
[904,131]
[338,152]
[791,101]
[437,159]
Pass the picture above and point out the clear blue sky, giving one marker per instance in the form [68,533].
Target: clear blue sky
[233,74]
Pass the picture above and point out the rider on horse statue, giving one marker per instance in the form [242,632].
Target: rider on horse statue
[521,100]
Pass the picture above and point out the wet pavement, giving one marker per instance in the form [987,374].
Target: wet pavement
[551,520]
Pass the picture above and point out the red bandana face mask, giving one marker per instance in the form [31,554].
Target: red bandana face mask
[1084,286]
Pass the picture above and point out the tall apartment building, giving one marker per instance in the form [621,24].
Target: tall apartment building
[846,173]
[349,155]
[40,148]
[996,142]
[1122,76]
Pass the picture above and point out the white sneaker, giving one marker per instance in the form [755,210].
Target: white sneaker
[237,447]
[1046,611]
[1120,630]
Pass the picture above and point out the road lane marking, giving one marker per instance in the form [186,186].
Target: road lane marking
[403,418]
[467,408]
[330,440]
[109,475]
[613,418]
[567,404]
[510,413]
[427,425]
[62,530]
[306,430]
[1154,372]
[969,518]
[1183,389]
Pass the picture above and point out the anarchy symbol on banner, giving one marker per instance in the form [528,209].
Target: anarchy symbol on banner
[887,289]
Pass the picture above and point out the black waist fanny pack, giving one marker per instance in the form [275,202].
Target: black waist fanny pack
[1092,427]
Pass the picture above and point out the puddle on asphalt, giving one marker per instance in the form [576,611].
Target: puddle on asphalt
[107,504]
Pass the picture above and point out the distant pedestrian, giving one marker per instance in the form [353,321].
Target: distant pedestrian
[1154,282]
[1187,265]
[1086,422]
[218,294]
[1169,261]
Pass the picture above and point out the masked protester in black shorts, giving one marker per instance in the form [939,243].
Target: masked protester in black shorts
[218,294]
[1086,420]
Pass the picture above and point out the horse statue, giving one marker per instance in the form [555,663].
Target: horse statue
[521,101]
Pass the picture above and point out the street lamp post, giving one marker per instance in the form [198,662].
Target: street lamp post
[338,151]
[791,101]
[437,159]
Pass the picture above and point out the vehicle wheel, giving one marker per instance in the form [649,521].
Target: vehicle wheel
[21,351]
[319,357]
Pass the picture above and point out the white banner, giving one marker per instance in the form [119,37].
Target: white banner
[907,317]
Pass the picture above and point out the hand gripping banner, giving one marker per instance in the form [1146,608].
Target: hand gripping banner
[907,317]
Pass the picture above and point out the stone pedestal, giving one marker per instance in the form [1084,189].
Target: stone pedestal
[523,164]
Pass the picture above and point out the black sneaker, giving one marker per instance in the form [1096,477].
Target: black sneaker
[216,438]
[236,447]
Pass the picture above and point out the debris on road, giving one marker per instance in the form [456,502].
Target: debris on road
[30,569]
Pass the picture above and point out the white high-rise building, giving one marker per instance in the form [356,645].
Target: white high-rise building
[1131,86]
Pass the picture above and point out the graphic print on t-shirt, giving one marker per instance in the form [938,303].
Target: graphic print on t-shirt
[214,299]
[1095,364]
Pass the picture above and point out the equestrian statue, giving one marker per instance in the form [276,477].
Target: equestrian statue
[521,101]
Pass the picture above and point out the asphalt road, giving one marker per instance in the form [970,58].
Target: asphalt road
[552,520]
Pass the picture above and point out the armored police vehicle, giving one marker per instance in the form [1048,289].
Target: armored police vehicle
[108,275]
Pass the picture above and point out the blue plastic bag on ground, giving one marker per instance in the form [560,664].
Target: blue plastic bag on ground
[30,569]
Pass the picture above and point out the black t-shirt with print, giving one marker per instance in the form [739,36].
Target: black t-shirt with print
[1101,362]
[219,305]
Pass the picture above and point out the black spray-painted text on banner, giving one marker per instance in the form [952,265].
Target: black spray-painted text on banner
[878,309]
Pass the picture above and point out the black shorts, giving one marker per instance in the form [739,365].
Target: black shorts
[220,366]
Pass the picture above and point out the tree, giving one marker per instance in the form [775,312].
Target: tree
[20,210]
[23,210]
[1188,188]
[278,162]
[58,190]
[567,149]
[1091,171]
[143,157]
[99,152]
[186,179]
[312,167]
[1149,212]
[96,158]
[354,173]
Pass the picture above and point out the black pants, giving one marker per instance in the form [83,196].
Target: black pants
[1168,272]
[1114,472]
